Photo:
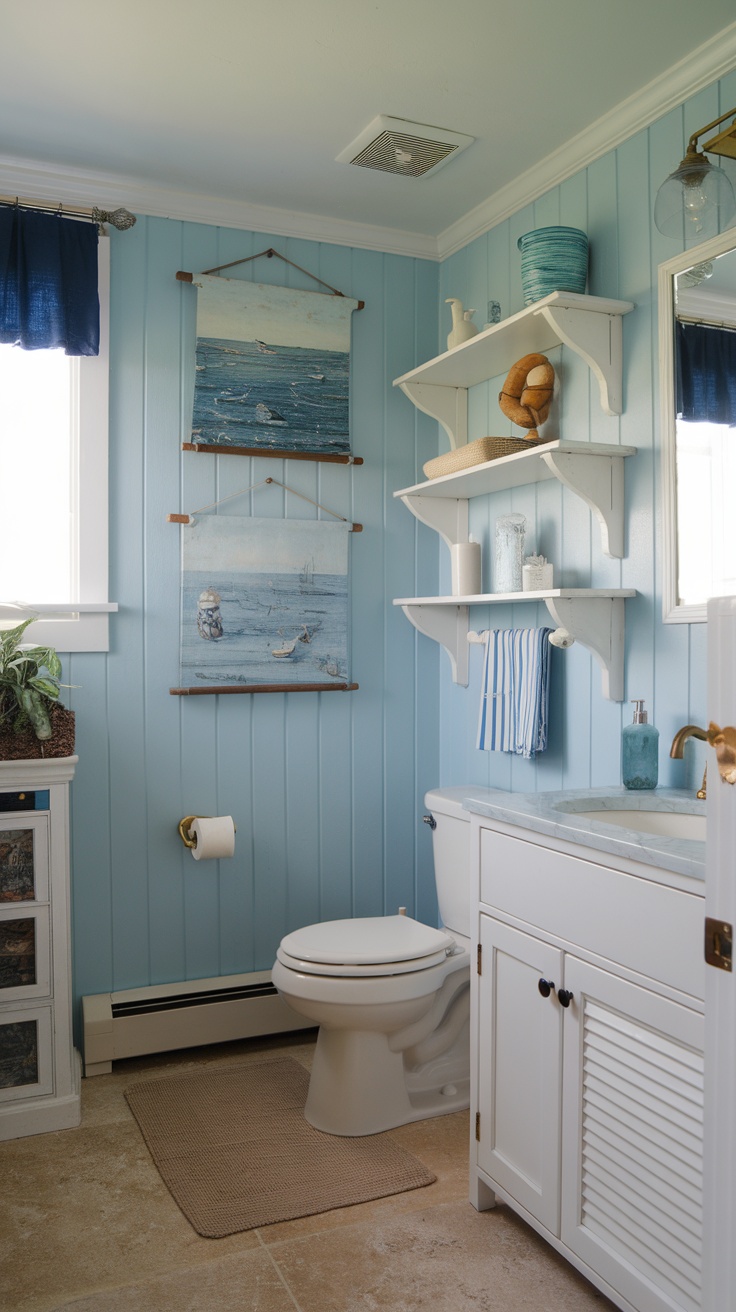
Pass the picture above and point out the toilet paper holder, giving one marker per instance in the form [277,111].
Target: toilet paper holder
[184,826]
[184,830]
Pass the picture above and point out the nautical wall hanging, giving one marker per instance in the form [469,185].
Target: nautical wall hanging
[264,604]
[272,370]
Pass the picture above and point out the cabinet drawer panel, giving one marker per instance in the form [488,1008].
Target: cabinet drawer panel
[24,858]
[25,954]
[632,921]
[25,1053]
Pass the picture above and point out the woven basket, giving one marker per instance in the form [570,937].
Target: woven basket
[477,453]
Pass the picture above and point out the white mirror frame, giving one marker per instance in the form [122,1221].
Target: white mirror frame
[672,611]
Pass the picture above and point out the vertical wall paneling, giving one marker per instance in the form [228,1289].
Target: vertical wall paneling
[369,385]
[327,791]
[612,200]
[160,588]
[399,574]
[91,899]
[125,713]
[324,790]
[670,644]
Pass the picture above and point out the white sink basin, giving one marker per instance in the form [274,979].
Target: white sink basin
[666,824]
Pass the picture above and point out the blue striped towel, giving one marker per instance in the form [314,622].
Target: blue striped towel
[515,692]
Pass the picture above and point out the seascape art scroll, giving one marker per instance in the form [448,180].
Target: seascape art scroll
[272,368]
[264,601]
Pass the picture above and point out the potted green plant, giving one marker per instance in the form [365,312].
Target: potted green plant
[32,721]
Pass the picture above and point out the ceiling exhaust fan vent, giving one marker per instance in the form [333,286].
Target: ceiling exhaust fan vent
[393,145]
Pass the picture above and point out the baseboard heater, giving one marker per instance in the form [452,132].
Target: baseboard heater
[185,1015]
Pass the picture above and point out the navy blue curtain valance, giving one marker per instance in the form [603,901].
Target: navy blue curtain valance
[706,374]
[48,282]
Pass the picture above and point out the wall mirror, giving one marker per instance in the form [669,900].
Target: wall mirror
[697,354]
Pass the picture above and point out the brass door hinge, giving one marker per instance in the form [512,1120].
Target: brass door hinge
[718,943]
[480,959]
[477,1126]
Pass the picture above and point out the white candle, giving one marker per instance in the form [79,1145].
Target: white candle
[465,558]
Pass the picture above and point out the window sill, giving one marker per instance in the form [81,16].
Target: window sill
[71,627]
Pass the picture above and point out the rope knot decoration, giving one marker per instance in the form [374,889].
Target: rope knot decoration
[526,396]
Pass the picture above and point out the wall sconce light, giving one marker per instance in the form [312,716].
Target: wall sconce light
[697,191]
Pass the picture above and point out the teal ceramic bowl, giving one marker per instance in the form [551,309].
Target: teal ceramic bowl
[553,259]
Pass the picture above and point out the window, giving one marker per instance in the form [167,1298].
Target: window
[53,490]
[706,475]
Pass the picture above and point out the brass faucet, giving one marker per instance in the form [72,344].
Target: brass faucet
[678,748]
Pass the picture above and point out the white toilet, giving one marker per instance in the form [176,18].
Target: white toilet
[391,997]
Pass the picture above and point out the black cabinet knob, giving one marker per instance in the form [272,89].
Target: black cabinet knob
[546,986]
[565,997]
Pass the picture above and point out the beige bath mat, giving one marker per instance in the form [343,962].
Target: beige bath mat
[235,1151]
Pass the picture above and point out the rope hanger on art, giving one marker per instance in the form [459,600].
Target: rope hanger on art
[264,602]
[272,368]
[189,518]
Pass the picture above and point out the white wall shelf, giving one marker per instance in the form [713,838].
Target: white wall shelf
[593,617]
[588,325]
[592,470]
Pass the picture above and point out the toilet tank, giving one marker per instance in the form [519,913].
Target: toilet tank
[451,852]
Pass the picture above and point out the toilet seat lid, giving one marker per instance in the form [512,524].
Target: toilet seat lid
[382,945]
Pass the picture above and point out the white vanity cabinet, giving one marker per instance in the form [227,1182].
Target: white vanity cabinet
[39,1068]
[587,1020]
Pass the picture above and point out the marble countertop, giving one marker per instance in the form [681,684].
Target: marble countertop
[554,814]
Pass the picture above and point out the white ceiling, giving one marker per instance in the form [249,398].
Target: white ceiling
[248,104]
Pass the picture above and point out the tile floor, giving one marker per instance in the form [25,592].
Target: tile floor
[86,1224]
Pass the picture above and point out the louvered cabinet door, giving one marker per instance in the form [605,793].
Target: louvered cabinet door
[632,1138]
[519,1068]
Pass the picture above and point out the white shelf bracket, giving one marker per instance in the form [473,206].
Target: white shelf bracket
[599,481]
[598,624]
[447,625]
[597,339]
[447,517]
[448,405]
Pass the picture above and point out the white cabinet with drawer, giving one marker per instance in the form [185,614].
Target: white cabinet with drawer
[588,1037]
[39,1068]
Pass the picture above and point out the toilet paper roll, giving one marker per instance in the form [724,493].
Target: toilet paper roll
[465,560]
[214,836]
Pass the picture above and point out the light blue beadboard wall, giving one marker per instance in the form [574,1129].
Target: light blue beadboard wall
[612,200]
[326,789]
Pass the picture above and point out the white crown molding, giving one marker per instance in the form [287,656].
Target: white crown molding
[700,304]
[34,180]
[697,70]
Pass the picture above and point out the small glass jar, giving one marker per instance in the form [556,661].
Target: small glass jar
[509,552]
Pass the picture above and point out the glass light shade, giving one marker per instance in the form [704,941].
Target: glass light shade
[696,197]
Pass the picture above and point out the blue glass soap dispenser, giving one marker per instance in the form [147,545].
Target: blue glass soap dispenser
[640,751]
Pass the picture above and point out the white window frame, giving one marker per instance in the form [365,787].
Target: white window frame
[83,624]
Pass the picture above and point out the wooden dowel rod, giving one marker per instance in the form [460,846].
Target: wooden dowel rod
[183,276]
[187,519]
[269,453]
[264,687]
